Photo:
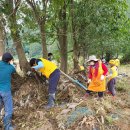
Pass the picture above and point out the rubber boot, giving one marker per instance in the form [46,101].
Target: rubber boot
[51,101]
[8,123]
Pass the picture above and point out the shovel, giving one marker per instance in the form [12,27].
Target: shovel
[74,81]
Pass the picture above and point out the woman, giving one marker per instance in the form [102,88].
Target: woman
[96,77]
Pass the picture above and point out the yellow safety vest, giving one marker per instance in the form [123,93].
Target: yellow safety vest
[48,68]
[114,72]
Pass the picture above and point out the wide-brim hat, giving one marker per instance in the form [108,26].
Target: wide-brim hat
[92,58]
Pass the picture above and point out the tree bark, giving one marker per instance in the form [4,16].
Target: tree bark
[63,49]
[17,42]
[62,38]
[108,56]
[75,44]
[76,54]
[2,37]
[43,38]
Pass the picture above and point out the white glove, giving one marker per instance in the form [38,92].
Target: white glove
[29,73]
[102,77]
[89,80]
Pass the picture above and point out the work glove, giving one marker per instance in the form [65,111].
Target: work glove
[89,81]
[29,73]
[102,77]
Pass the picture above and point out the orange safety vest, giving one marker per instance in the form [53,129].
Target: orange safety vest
[48,69]
[97,85]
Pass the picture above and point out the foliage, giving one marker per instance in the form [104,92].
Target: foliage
[101,27]
[35,50]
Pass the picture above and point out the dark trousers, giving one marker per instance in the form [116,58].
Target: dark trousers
[53,81]
[100,94]
[111,86]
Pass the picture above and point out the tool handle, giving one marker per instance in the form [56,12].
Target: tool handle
[75,81]
[67,76]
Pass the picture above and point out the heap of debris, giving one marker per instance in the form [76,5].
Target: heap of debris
[71,111]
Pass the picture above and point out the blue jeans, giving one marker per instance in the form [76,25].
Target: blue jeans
[6,100]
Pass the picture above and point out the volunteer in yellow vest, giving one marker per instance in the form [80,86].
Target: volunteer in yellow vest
[112,77]
[96,77]
[50,71]
[117,62]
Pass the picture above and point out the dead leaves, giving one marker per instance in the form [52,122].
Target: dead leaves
[88,122]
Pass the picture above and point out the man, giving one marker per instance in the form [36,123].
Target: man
[50,71]
[6,70]
[50,56]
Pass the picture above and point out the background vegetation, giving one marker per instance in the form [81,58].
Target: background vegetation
[70,29]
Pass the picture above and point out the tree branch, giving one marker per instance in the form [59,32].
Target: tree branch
[17,3]
[33,6]
[14,10]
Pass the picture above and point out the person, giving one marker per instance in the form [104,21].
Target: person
[96,77]
[50,55]
[112,77]
[104,61]
[81,68]
[50,71]
[6,70]
[117,62]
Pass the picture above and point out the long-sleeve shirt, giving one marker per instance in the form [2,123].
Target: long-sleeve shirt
[39,65]
[6,71]
[105,70]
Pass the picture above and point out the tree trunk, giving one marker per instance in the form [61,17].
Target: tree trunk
[43,38]
[40,19]
[2,37]
[102,56]
[75,44]
[17,42]
[63,49]
[62,38]
[108,56]
[75,54]
[85,52]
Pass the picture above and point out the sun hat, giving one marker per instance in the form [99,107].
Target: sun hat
[92,58]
